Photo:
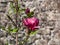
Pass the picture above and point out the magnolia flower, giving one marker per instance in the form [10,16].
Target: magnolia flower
[27,11]
[31,23]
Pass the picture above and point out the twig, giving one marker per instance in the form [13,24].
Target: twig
[16,7]
[27,36]
[11,20]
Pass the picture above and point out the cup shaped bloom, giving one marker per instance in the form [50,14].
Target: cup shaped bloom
[31,23]
[27,11]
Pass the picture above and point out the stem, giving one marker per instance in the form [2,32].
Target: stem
[27,36]
[16,39]
[16,7]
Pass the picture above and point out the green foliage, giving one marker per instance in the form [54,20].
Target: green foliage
[21,10]
[21,43]
[33,33]
[14,30]
[25,16]
[30,14]
[7,43]
[13,9]
[11,30]
[11,5]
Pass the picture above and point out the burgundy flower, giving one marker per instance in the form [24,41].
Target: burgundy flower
[31,23]
[27,11]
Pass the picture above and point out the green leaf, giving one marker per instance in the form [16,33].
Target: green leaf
[19,5]
[25,16]
[7,43]
[11,5]
[21,10]
[12,10]
[30,14]
[33,33]
[21,43]
[13,30]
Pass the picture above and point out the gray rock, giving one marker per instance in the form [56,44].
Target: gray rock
[2,33]
[41,42]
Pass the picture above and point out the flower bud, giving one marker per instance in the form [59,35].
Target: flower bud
[27,11]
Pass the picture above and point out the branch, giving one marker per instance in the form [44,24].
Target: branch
[16,7]
[11,20]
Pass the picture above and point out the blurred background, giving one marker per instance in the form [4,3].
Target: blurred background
[48,13]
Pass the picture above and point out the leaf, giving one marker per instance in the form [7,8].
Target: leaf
[12,10]
[30,14]
[14,30]
[25,16]
[33,33]
[11,5]
[7,43]
[19,5]
[21,10]
[21,43]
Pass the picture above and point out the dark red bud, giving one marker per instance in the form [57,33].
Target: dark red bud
[27,11]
